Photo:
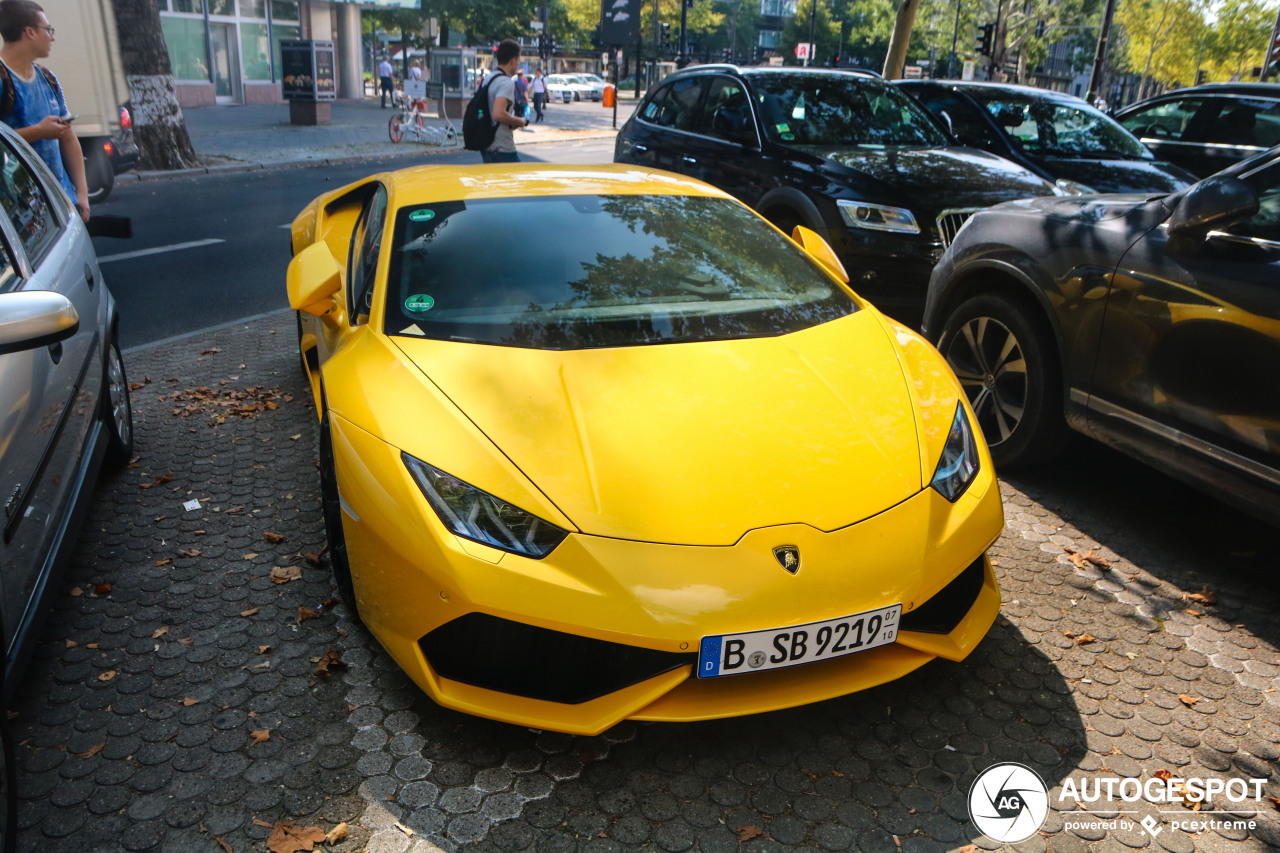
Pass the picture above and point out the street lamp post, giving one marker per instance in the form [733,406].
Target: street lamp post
[813,20]
[955,35]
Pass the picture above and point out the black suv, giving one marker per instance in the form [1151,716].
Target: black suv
[843,153]
[1207,128]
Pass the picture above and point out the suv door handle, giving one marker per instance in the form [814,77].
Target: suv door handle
[692,161]
[641,148]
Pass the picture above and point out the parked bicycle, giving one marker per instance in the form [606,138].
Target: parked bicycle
[411,121]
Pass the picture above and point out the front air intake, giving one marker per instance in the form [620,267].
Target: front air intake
[942,613]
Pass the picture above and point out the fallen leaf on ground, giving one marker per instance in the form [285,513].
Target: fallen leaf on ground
[284,574]
[336,834]
[330,603]
[102,589]
[262,650]
[93,750]
[188,552]
[1195,613]
[166,561]
[1204,596]
[305,613]
[1163,774]
[1275,801]
[1188,700]
[968,848]
[1085,638]
[287,838]
[342,632]
[328,662]
[250,556]
[188,702]
[223,844]
[260,822]
[164,478]
[312,559]
[746,833]
[71,644]
[250,612]
[159,632]
[108,675]
[187,641]
[260,736]
[76,592]
[273,538]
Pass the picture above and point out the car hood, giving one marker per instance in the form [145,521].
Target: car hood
[1082,208]
[695,443]
[1120,176]
[933,178]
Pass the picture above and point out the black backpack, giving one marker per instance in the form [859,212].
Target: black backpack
[478,127]
[9,98]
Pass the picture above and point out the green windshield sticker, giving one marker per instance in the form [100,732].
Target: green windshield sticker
[787,137]
[422,216]
[419,302]
[784,128]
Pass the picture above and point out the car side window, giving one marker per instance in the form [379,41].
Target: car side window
[9,278]
[674,106]
[366,243]
[967,124]
[1166,120]
[27,205]
[1265,224]
[1254,122]
[726,113]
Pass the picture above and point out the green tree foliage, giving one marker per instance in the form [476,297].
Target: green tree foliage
[1238,41]
[826,32]
[1161,40]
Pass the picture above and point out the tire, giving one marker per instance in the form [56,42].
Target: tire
[331,505]
[117,413]
[1003,353]
[302,357]
[100,176]
[394,129]
[785,220]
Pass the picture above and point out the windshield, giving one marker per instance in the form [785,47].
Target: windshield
[600,271]
[1060,129]
[799,108]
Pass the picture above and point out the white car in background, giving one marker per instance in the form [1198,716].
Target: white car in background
[558,89]
[578,90]
[594,86]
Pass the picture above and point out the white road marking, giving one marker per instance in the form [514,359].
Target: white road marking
[124,256]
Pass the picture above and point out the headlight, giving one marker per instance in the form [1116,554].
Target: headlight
[878,217]
[1064,187]
[959,463]
[477,515]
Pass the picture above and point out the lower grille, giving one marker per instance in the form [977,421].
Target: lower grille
[951,221]
[942,613]
[537,663]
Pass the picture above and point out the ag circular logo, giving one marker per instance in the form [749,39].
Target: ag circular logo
[1008,802]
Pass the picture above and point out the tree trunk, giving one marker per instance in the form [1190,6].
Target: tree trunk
[897,55]
[157,119]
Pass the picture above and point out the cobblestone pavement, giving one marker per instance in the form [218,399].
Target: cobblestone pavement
[181,708]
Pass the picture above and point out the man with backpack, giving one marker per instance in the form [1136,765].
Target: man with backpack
[31,100]
[502,97]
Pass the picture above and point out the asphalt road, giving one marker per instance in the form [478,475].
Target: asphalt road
[239,225]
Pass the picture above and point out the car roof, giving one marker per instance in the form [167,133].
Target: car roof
[1253,90]
[979,85]
[425,184]
[771,70]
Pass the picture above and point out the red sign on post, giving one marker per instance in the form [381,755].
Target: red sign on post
[804,50]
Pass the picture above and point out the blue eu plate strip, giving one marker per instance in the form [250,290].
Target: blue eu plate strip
[709,659]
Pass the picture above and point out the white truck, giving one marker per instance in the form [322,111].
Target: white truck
[86,61]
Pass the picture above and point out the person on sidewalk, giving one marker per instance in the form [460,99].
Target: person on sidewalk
[502,97]
[415,71]
[388,85]
[539,89]
[522,89]
[40,113]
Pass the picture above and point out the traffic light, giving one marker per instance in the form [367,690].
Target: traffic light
[728,54]
[1040,29]
[664,35]
[1202,77]
[985,34]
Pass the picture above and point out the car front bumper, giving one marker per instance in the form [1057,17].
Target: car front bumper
[648,605]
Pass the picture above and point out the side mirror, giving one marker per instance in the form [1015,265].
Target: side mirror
[819,251]
[1215,202]
[314,277]
[35,318]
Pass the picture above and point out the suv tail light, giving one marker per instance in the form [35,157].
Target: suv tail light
[126,120]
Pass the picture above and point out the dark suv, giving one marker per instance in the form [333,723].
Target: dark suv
[843,153]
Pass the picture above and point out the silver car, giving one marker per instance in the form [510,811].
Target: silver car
[64,401]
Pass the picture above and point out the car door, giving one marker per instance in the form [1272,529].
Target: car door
[664,125]
[724,148]
[1169,128]
[1232,128]
[1189,359]
[48,395]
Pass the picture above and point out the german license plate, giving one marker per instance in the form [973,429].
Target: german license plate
[735,654]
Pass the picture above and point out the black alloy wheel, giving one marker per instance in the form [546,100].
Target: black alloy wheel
[117,414]
[331,505]
[1008,370]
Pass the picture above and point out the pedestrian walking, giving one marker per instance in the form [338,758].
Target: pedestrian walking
[539,89]
[388,85]
[522,90]
[502,96]
[39,111]
[415,71]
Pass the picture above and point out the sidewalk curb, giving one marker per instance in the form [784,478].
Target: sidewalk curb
[231,168]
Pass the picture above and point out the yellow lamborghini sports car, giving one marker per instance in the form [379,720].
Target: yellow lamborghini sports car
[601,444]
